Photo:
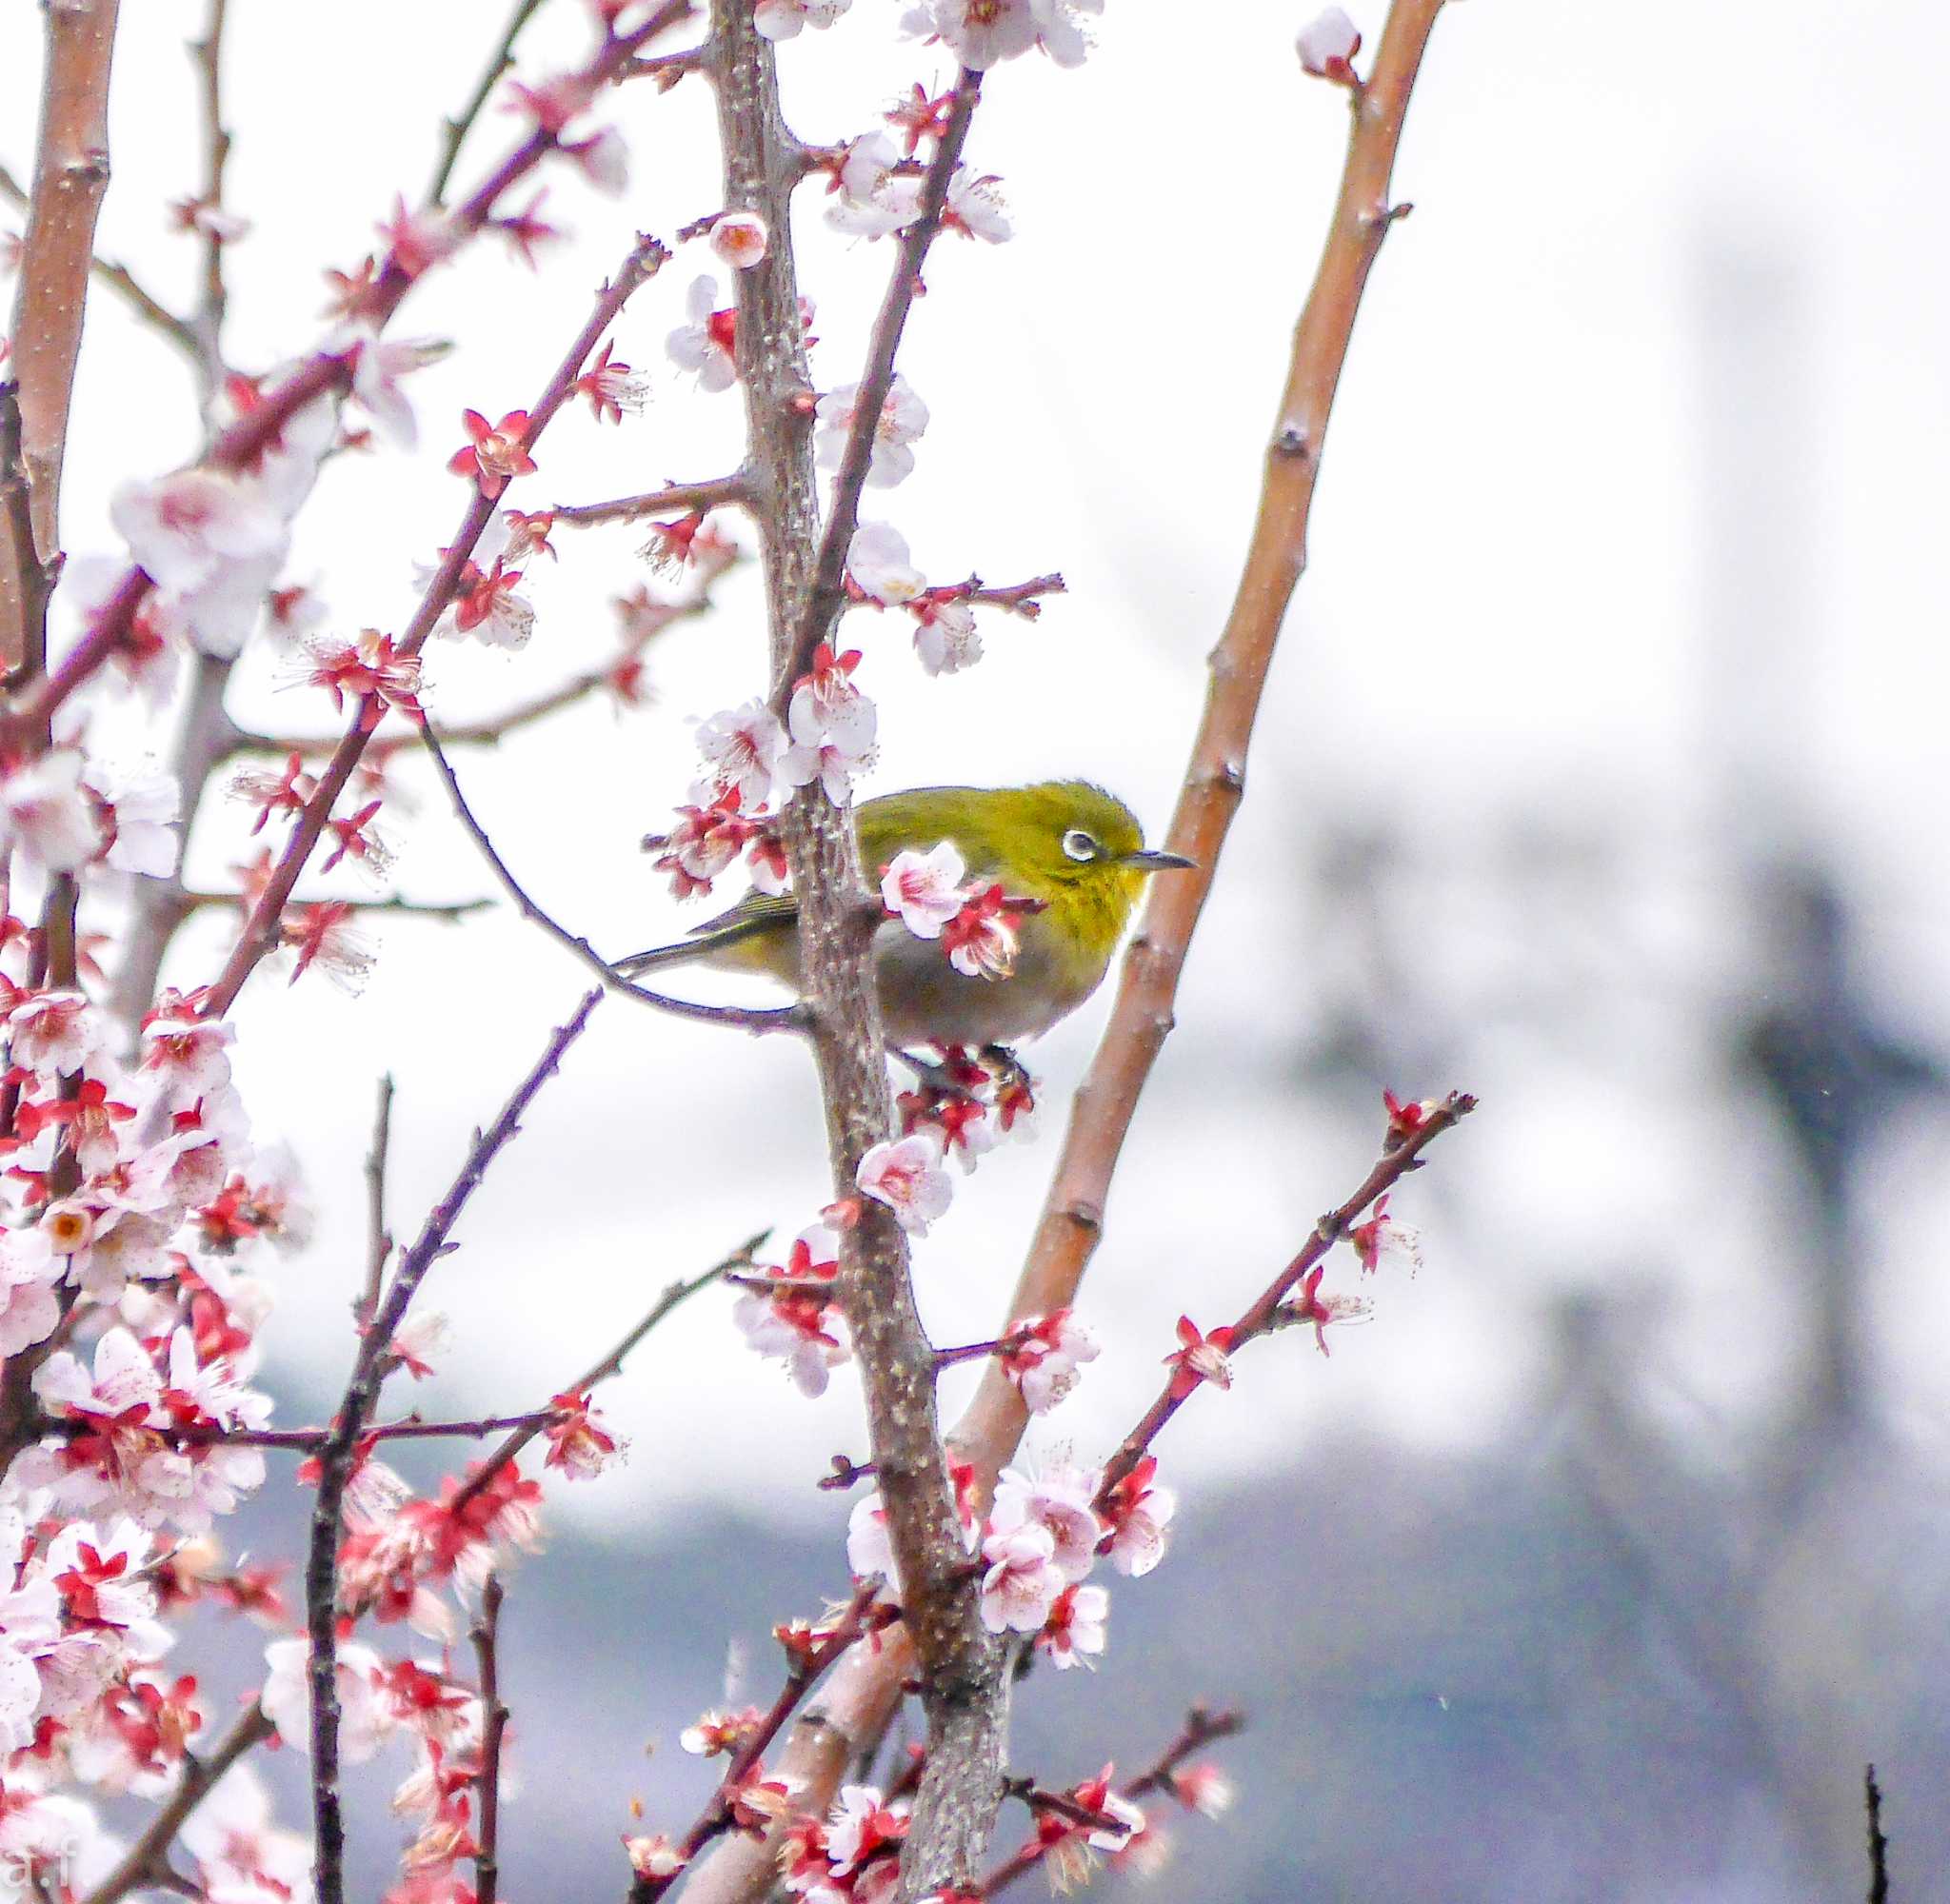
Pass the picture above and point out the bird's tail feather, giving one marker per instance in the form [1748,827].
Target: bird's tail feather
[701,945]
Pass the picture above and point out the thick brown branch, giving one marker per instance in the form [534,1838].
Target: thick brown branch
[336,1457]
[70,177]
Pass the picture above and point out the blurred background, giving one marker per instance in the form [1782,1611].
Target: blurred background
[1600,774]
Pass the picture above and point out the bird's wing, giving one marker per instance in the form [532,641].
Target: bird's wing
[891,824]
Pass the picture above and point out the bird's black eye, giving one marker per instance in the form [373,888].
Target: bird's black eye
[1079,844]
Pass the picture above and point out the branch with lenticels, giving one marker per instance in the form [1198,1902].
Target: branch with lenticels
[864,1693]
[960,1689]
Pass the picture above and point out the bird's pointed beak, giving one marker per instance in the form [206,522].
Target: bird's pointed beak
[1146,861]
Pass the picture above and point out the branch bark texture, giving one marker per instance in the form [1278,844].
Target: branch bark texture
[70,177]
[865,1691]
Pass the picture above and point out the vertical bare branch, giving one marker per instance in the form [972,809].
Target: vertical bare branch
[214,299]
[865,1691]
[485,1635]
[378,1242]
[960,1689]
[70,176]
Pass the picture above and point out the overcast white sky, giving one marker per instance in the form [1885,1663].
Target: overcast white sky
[1565,434]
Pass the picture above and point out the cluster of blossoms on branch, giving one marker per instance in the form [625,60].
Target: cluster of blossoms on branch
[138,1215]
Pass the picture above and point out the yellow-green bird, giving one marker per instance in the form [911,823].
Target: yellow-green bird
[1072,850]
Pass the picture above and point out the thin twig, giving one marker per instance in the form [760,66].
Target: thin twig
[323,373]
[762,1019]
[1879,1845]
[378,1241]
[1262,1316]
[260,930]
[120,279]
[33,580]
[147,1859]
[827,593]
[861,1616]
[719,493]
[458,128]
[214,303]
[335,1458]
[486,1635]
[611,1364]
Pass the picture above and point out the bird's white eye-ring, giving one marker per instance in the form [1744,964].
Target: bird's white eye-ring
[1079,844]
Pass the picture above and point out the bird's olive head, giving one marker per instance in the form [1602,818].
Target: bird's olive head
[1075,834]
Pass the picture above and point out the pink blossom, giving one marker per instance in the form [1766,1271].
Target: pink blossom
[1382,1240]
[830,762]
[610,389]
[1022,1580]
[782,19]
[980,939]
[907,1177]
[655,1856]
[975,207]
[868,1548]
[242,1855]
[1328,45]
[946,636]
[187,1056]
[187,529]
[982,32]
[1074,1632]
[870,197]
[924,890]
[877,560]
[365,1718]
[29,1310]
[827,711]
[1045,1367]
[46,814]
[800,1325]
[1058,1501]
[903,421]
[30,1625]
[739,238]
[1199,1357]
[705,344]
[494,453]
[52,1032]
[744,746]
[861,1824]
[378,365]
[604,160]
[142,805]
[1140,1514]
[579,1442]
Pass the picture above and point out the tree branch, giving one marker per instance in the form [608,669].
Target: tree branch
[486,1635]
[260,932]
[776,1018]
[720,492]
[866,1692]
[458,128]
[148,1856]
[70,177]
[336,1457]
[213,302]
[120,279]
